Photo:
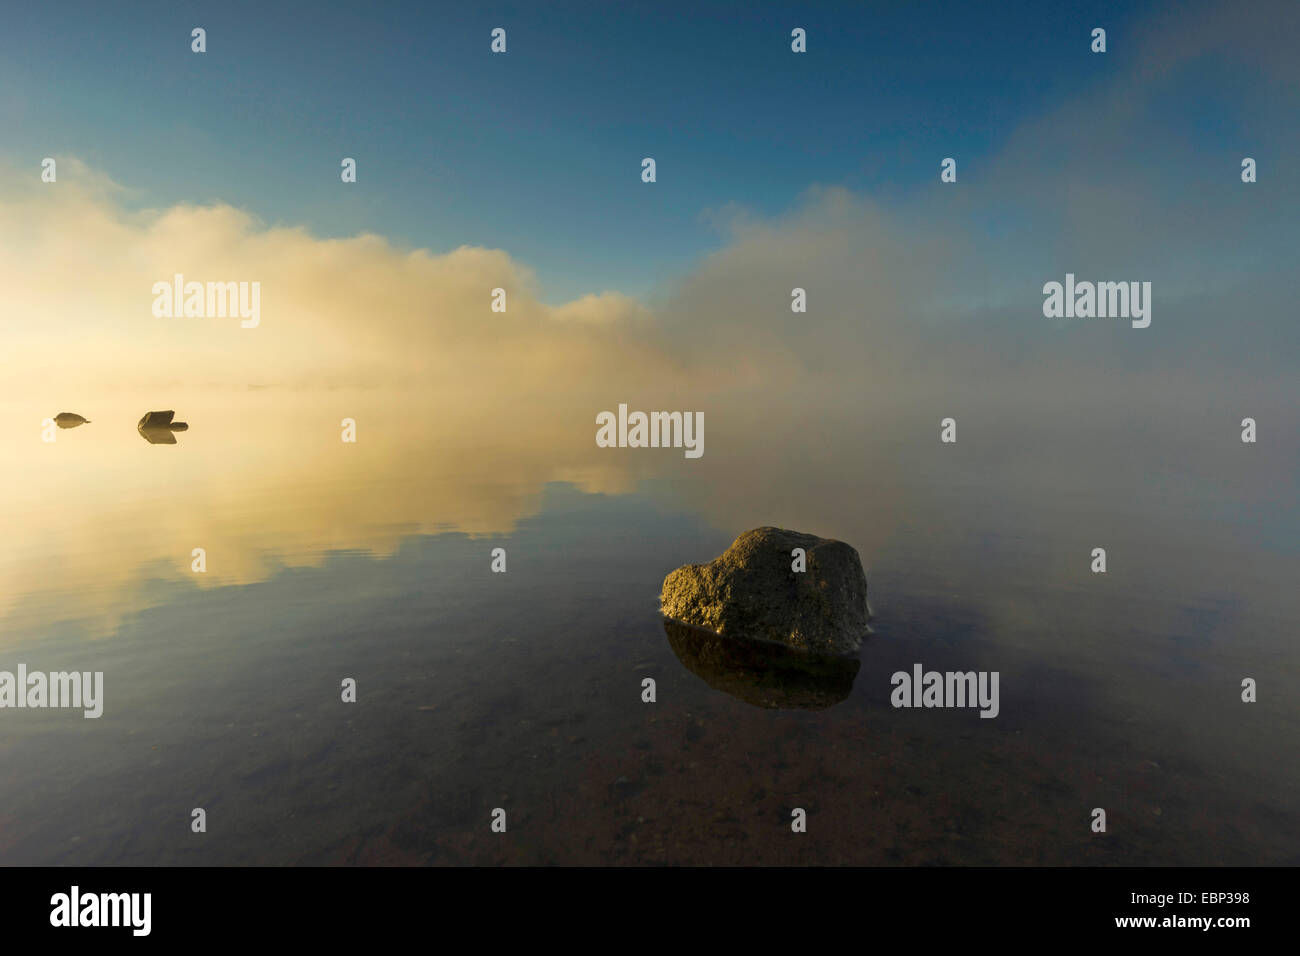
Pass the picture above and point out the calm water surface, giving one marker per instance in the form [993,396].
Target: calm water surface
[523,690]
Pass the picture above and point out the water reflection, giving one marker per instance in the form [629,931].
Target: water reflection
[159,436]
[264,482]
[521,690]
[760,672]
[268,481]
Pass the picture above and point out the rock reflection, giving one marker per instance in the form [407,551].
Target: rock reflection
[760,672]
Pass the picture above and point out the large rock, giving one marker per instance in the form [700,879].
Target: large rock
[750,591]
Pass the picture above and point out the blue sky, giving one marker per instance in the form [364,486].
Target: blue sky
[538,151]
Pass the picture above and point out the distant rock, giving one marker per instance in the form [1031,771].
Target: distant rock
[157,428]
[161,420]
[70,420]
[750,591]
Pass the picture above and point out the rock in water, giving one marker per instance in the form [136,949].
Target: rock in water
[157,419]
[751,591]
[70,420]
[158,428]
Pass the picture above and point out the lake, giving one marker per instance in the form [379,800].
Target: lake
[477,690]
